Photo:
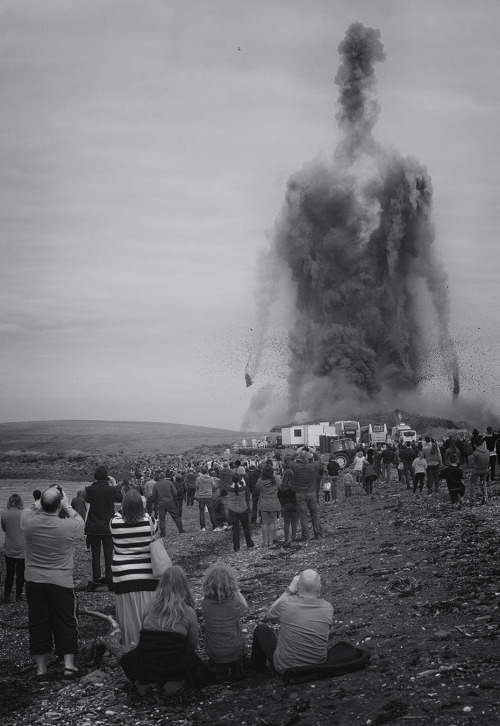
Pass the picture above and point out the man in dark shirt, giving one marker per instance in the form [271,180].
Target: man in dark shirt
[101,498]
[304,486]
[165,500]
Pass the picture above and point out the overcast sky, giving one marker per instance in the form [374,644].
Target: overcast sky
[145,147]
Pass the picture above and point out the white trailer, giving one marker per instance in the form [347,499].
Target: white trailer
[294,436]
[306,434]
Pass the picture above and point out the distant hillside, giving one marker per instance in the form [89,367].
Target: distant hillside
[113,436]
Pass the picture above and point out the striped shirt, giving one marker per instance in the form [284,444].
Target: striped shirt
[132,569]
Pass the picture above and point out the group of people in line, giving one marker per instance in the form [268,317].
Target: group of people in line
[157,619]
[426,463]
[158,631]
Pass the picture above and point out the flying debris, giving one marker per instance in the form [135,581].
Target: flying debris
[356,237]
[248,380]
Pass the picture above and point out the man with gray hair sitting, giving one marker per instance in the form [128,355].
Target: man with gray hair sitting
[305,622]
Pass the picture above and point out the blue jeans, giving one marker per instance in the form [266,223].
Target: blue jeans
[308,502]
[432,478]
[209,503]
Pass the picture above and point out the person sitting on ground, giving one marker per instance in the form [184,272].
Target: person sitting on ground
[223,605]
[454,475]
[305,622]
[168,640]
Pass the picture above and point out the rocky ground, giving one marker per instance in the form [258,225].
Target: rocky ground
[411,579]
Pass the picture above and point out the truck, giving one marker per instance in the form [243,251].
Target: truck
[403,433]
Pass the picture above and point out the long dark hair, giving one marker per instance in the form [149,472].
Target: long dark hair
[132,507]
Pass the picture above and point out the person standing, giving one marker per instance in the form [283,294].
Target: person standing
[204,495]
[148,493]
[419,467]
[101,498]
[386,461]
[78,504]
[434,460]
[50,544]
[181,491]
[304,486]
[406,457]
[238,511]
[190,480]
[453,475]
[13,548]
[490,439]
[333,470]
[480,465]
[165,500]
[253,477]
[289,508]
[269,504]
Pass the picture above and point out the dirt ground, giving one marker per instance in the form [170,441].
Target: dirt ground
[411,579]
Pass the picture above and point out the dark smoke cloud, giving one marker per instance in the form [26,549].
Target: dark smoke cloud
[358,240]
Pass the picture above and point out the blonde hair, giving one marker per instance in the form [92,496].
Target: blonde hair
[219,582]
[171,597]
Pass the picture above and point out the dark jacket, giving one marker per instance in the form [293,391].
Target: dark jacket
[162,656]
[165,493]
[101,498]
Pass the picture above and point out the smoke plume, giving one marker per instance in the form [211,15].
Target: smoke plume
[356,236]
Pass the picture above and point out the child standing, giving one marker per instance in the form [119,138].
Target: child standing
[348,483]
[333,469]
[419,468]
[327,487]
[454,476]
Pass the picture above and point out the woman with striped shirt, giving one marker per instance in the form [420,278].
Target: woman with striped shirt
[132,531]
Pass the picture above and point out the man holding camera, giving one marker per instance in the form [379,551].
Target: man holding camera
[50,543]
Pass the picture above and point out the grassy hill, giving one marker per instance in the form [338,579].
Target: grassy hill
[112,436]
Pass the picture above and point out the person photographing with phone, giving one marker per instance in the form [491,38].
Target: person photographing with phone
[50,543]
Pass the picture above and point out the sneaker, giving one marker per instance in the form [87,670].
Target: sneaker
[217,529]
[203,529]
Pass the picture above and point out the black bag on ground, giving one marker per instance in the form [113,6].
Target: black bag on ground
[342,658]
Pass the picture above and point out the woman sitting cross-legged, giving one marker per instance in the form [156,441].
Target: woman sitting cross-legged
[165,653]
[223,605]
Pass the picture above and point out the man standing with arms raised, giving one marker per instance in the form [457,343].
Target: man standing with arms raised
[50,544]
[304,486]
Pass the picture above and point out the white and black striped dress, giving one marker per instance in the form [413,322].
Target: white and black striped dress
[132,569]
